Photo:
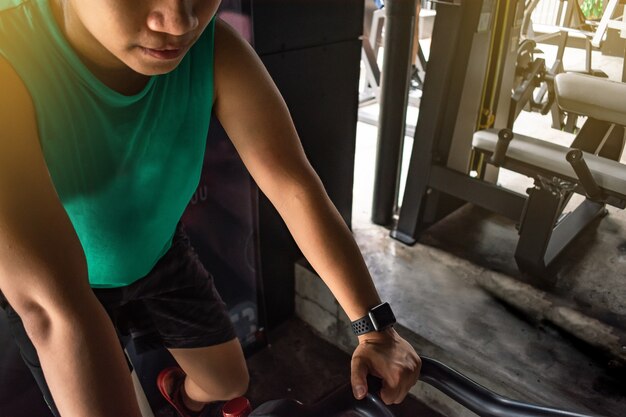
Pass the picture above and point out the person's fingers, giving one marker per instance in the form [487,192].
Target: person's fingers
[358,377]
[397,364]
[404,390]
[408,379]
[391,391]
[396,386]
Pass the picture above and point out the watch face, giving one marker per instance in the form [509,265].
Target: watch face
[382,317]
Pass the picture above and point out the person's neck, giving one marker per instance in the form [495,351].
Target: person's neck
[103,65]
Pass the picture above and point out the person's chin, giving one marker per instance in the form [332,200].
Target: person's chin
[149,63]
[156,68]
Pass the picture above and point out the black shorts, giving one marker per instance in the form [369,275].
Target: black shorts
[175,306]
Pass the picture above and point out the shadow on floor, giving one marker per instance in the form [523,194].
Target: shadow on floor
[590,276]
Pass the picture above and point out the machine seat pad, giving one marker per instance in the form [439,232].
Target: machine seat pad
[592,96]
[610,175]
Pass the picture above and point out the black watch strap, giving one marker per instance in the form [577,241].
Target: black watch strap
[377,319]
[362,326]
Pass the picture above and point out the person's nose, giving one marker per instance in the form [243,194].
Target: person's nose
[173,17]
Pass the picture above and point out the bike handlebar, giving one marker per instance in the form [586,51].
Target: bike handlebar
[477,398]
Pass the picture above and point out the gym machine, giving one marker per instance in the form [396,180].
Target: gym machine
[535,90]
[455,80]
[569,21]
[444,155]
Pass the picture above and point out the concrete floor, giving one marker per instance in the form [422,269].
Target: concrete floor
[439,300]
[436,290]
[435,287]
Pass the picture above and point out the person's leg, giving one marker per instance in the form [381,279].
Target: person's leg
[215,373]
[180,301]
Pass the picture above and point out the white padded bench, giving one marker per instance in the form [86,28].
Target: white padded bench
[609,175]
[592,96]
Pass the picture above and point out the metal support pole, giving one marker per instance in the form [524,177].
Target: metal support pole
[399,26]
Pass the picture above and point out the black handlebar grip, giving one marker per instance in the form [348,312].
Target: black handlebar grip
[576,159]
[374,384]
[505,136]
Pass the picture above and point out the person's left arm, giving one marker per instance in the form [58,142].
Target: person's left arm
[256,118]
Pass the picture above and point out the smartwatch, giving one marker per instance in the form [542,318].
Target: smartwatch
[377,319]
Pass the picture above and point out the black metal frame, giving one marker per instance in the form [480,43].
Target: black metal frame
[601,138]
[543,236]
[537,75]
[445,183]
[423,203]
[399,23]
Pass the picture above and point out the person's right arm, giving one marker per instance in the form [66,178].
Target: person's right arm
[43,274]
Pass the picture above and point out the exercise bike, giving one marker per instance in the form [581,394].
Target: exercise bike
[469,394]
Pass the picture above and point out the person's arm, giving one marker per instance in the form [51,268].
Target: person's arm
[257,120]
[43,274]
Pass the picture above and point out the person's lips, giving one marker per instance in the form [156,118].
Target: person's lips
[167,53]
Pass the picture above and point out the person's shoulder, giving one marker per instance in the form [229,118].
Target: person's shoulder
[18,127]
[15,94]
[225,31]
[18,121]
[10,82]
[229,43]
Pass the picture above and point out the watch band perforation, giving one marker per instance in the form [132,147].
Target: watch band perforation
[362,326]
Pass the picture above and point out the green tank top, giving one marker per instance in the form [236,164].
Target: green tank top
[124,167]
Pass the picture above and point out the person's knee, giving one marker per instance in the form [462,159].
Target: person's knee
[236,380]
[237,386]
[215,373]
[231,384]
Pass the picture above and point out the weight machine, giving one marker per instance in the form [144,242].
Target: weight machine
[444,153]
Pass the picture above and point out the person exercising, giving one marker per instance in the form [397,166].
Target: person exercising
[104,111]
